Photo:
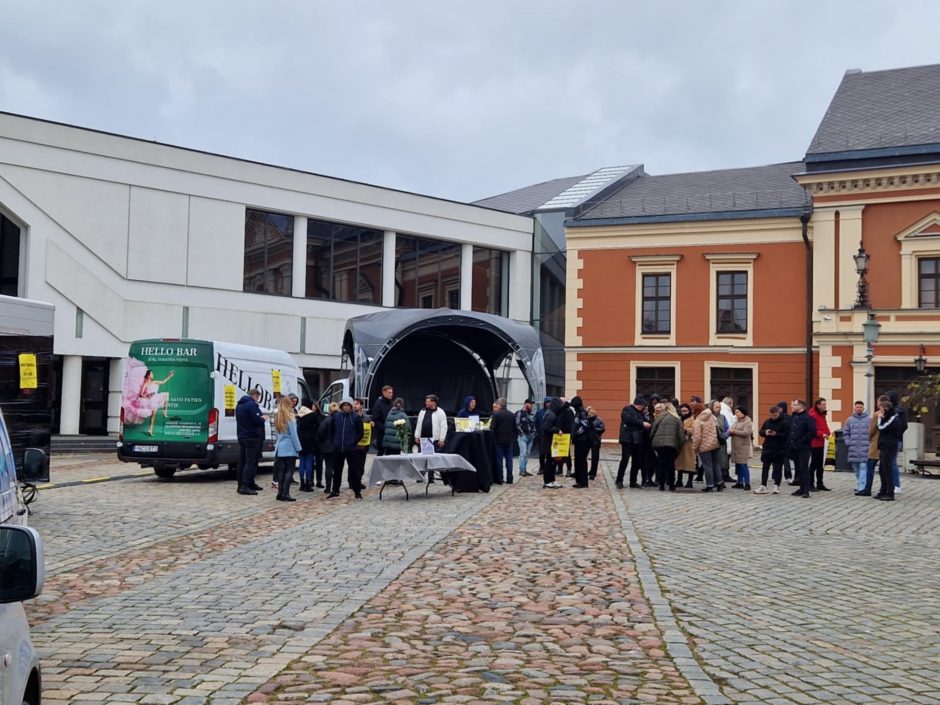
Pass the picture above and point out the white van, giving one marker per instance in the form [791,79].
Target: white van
[22,570]
[179,398]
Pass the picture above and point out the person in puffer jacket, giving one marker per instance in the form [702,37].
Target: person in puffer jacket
[855,437]
[705,442]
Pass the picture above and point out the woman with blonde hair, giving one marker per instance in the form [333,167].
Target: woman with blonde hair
[286,448]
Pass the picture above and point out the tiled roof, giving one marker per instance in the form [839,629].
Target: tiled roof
[526,200]
[760,188]
[881,109]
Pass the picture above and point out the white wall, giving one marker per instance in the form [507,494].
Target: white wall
[133,232]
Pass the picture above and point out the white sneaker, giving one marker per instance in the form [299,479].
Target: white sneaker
[776,489]
[761,490]
[897,490]
[557,486]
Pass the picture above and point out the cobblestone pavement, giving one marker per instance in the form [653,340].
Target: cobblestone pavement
[534,600]
[221,600]
[835,599]
[184,592]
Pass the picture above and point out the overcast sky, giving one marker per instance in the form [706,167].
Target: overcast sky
[461,99]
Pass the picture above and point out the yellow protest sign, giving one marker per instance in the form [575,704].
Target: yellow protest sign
[29,378]
[276,381]
[366,433]
[561,445]
[229,399]
[463,425]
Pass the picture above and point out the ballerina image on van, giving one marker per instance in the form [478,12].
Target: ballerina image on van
[142,398]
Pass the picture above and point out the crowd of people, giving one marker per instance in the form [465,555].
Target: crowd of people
[664,443]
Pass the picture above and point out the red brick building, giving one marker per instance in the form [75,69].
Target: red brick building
[742,282]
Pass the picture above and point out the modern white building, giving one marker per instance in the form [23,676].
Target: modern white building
[134,239]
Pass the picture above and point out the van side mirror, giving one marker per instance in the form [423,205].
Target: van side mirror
[22,564]
[35,465]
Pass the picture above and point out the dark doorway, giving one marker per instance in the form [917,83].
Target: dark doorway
[94,419]
[734,382]
[9,257]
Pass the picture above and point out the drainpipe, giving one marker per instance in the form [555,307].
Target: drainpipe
[804,222]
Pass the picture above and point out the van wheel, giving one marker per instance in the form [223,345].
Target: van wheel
[165,473]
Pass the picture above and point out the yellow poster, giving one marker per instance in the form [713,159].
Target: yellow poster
[366,433]
[229,399]
[28,375]
[463,425]
[276,381]
[561,444]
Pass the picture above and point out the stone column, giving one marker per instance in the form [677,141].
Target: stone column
[850,237]
[388,269]
[466,277]
[70,411]
[299,269]
[824,260]
[520,286]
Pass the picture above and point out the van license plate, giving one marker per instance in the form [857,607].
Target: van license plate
[145,449]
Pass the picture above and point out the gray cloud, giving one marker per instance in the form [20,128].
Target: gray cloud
[457,99]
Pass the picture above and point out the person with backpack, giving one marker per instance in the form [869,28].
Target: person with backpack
[583,436]
[525,434]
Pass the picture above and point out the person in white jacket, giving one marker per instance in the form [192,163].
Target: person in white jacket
[432,423]
[727,411]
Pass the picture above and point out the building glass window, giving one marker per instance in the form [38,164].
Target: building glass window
[344,262]
[269,252]
[656,380]
[490,279]
[657,308]
[929,282]
[734,382]
[427,272]
[9,257]
[732,302]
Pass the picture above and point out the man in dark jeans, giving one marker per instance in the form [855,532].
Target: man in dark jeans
[346,427]
[249,424]
[503,426]
[545,454]
[802,433]
[633,429]
[549,429]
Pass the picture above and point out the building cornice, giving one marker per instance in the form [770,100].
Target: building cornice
[871,181]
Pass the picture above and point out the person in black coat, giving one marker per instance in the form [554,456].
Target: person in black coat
[549,429]
[308,422]
[249,424]
[503,426]
[802,432]
[582,437]
[891,426]
[565,425]
[379,412]
[774,433]
[633,431]
[787,467]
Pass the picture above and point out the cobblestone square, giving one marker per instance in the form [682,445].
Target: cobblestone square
[185,592]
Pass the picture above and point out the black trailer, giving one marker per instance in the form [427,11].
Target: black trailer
[26,335]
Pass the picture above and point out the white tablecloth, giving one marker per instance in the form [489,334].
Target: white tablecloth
[412,466]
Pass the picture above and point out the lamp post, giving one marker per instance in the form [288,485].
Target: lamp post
[861,266]
[920,362]
[871,329]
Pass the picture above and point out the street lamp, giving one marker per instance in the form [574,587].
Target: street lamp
[920,362]
[861,266]
[871,329]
